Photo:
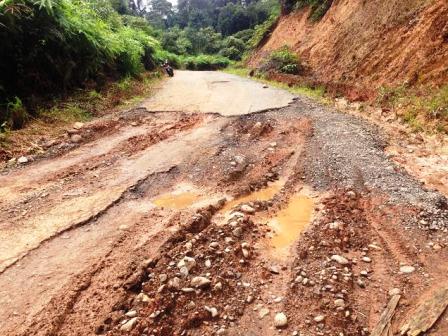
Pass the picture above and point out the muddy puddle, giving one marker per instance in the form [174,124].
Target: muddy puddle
[264,194]
[289,222]
[183,196]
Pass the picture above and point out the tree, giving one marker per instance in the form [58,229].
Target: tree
[159,12]
[233,18]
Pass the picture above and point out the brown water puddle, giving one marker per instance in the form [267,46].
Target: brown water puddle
[177,201]
[259,195]
[182,197]
[289,222]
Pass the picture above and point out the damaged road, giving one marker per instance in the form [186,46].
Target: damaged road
[216,220]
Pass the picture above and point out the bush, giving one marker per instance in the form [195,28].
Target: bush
[284,56]
[262,31]
[318,7]
[244,35]
[51,46]
[283,60]
[231,53]
[206,62]
[16,114]
[290,69]
[174,60]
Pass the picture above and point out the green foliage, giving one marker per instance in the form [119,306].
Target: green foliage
[263,30]
[318,7]
[422,109]
[174,60]
[290,69]
[436,107]
[234,42]
[69,112]
[16,114]
[283,60]
[244,35]
[233,48]
[206,62]
[231,53]
[54,45]
[284,56]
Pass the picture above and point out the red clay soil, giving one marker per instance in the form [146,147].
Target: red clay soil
[363,45]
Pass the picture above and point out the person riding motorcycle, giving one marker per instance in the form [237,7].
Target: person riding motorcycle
[168,68]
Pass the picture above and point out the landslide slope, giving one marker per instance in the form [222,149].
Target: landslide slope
[367,44]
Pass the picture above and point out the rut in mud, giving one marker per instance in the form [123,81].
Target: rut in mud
[202,224]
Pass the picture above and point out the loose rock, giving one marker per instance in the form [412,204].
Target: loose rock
[339,259]
[280,320]
[129,325]
[200,282]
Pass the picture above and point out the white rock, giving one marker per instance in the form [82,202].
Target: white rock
[212,310]
[143,297]
[131,313]
[247,209]
[129,325]
[280,320]
[395,291]
[78,125]
[200,282]
[366,259]
[208,263]
[174,283]
[339,303]
[186,262]
[275,269]
[75,138]
[263,312]
[339,259]
[319,318]
[184,271]
[374,247]
[407,269]
[22,159]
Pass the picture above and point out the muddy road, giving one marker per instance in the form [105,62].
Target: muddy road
[221,207]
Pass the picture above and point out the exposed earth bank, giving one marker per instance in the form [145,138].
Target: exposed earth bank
[285,219]
[359,46]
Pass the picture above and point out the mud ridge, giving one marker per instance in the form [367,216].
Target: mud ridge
[91,218]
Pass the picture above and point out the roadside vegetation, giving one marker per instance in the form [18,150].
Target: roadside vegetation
[80,106]
[213,27]
[318,8]
[53,49]
[422,109]
[283,60]
[317,93]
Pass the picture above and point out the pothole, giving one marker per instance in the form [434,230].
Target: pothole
[183,196]
[264,194]
[289,222]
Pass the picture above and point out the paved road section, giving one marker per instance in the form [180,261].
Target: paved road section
[216,92]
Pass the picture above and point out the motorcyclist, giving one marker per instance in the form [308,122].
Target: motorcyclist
[168,68]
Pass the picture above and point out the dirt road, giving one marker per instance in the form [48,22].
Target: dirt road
[194,215]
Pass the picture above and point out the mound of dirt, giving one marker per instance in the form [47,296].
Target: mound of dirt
[359,46]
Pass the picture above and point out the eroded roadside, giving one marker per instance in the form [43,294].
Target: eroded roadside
[165,254]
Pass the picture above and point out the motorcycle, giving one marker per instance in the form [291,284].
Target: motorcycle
[169,70]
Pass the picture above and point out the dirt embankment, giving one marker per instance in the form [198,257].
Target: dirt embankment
[359,46]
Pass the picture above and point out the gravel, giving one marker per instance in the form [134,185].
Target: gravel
[347,151]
